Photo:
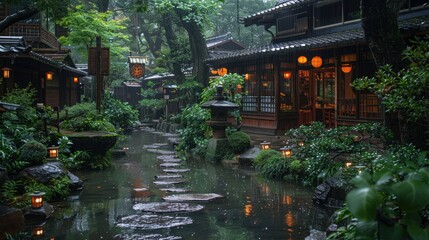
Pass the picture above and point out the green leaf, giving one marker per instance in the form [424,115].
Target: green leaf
[363,203]
[396,232]
[418,233]
[412,195]
[360,182]
[425,174]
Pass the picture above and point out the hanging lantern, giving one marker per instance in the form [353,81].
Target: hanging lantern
[246,77]
[49,76]
[346,68]
[75,79]
[213,71]
[37,199]
[316,61]
[286,151]
[222,71]
[265,145]
[6,72]
[287,75]
[302,59]
[53,152]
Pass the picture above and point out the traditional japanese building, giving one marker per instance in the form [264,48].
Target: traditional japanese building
[318,48]
[31,54]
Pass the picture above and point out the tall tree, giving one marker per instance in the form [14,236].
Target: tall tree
[380,24]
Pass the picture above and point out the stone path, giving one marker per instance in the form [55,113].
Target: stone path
[155,215]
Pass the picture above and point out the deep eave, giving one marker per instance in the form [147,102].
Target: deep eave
[266,16]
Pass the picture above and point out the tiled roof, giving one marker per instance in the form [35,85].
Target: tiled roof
[312,42]
[279,7]
[353,36]
[214,41]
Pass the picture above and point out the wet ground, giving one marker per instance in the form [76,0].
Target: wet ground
[114,202]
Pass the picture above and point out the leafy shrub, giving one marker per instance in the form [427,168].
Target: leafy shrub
[77,110]
[119,113]
[194,130]
[80,124]
[238,142]
[33,152]
[390,199]
[271,163]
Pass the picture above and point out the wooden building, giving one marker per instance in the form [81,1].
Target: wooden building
[30,54]
[304,74]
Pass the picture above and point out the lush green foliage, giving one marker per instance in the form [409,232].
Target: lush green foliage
[194,132]
[391,198]
[238,142]
[33,152]
[151,102]
[119,113]
[271,163]
[80,109]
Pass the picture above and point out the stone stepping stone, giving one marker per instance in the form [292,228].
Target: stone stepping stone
[161,144]
[204,197]
[145,237]
[165,157]
[175,190]
[169,176]
[159,151]
[169,164]
[167,207]
[150,221]
[153,146]
[176,170]
[173,160]
[169,182]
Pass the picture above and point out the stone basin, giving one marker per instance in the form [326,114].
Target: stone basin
[169,164]
[150,221]
[176,170]
[169,182]
[167,207]
[187,197]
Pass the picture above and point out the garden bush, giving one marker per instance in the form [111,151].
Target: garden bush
[120,114]
[77,110]
[194,132]
[238,142]
[33,152]
[271,163]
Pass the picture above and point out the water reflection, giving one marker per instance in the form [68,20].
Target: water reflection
[253,207]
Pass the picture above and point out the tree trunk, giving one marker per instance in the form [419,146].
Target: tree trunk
[18,16]
[198,48]
[380,25]
[172,43]
[153,39]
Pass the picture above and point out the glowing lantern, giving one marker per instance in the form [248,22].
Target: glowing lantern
[37,200]
[265,145]
[49,76]
[316,61]
[287,75]
[213,71]
[222,71]
[38,231]
[75,79]
[53,152]
[286,151]
[302,60]
[6,73]
[246,77]
[346,68]
[348,164]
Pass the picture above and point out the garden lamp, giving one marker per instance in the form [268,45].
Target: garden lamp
[37,199]
[53,152]
[286,151]
[265,145]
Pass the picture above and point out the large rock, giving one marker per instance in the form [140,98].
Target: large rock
[51,170]
[331,193]
[11,220]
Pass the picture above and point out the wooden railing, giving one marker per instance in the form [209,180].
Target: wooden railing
[34,33]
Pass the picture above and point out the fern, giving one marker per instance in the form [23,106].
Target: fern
[9,191]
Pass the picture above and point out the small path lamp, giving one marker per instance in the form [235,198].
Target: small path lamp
[53,152]
[348,164]
[38,231]
[37,200]
[286,151]
[265,145]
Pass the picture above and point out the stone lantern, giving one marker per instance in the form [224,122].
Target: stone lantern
[219,121]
